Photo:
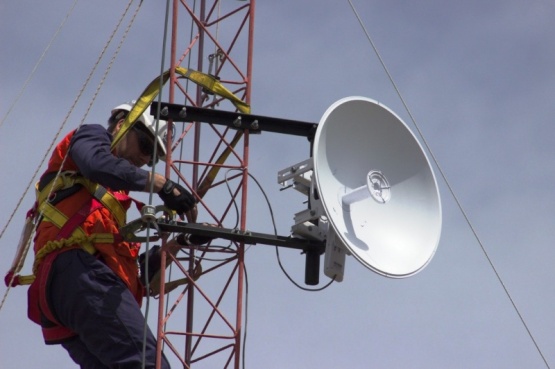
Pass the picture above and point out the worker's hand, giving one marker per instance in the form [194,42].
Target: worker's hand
[191,215]
[176,197]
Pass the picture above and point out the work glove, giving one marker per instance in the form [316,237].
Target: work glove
[181,203]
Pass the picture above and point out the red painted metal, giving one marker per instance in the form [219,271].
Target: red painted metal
[199,325]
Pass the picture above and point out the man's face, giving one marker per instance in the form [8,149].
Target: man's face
[136,146]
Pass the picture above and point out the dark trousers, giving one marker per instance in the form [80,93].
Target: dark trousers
[86,296]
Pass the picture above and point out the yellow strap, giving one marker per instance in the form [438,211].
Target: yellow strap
[65,179]
[85,242]
[68,179]
[52,214]
[103,238]
[108,200]
[78,236]
[151,91]
[26,279]
[204,186]
[56,217]
[204,80]
[212,84]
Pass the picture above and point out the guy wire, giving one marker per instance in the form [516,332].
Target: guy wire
[451,191]
[37,64]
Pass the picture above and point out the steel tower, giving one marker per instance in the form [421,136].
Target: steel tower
[200,323]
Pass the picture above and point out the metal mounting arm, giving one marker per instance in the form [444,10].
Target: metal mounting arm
[235,120]
[313,249]
[247,237]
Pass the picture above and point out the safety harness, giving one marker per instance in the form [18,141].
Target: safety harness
[50,191]
[70,236]
[70,231]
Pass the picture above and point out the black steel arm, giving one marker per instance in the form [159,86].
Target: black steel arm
[236,120]
[247,237]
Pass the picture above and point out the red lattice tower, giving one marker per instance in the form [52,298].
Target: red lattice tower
[200,324]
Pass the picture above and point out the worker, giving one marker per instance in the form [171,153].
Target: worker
[87,291]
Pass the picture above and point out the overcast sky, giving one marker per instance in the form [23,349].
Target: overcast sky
[476,76]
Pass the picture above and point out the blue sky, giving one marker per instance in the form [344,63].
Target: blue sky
[477,77]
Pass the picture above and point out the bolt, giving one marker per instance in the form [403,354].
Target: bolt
[183,112]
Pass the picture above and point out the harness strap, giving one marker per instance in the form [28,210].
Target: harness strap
[65,179]
[71,232]
[73,224]
[109,200]
[12,280]
[48,192]
[53,215]
[69,179]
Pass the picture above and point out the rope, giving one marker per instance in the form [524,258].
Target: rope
[151,189]
[24,87]
[116,53]
[15,102]
[451,191]
[64,122]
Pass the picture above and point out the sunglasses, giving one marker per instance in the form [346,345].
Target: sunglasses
[146,140]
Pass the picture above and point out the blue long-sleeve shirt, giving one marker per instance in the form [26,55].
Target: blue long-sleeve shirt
[90,149]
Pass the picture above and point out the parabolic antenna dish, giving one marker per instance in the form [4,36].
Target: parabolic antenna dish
[377,187]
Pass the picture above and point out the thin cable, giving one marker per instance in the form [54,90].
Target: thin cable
[114,57]
[152,175]
[64,122]
[277,248]
[452,192]
[24,87]
[244,347]
[235,206]
[181,150]
[17,99]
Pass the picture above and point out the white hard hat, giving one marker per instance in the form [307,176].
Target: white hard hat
[149,122]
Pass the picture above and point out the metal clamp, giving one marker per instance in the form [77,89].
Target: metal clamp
[148,220]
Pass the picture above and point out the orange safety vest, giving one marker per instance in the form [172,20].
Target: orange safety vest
[86,223]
